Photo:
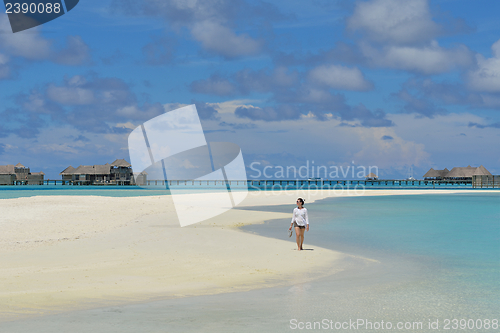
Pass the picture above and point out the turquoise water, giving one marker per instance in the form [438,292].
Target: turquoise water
[10,192]
[438,259]
[461,231]
[439,254]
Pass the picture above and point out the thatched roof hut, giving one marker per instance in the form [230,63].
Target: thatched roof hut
[119,171]
[461,172]
[93,170]
[431,173]
[436,174]
[121,163]
[13,173]
[68,171]
[7,169]
[481,171]
[457,173]
[371,175]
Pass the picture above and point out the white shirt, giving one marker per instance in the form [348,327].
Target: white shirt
[300,216]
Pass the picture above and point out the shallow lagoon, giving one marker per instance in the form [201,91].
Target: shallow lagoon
[437,258]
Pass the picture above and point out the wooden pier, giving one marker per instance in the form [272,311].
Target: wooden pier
[486,181]
[366,183]
[476,182]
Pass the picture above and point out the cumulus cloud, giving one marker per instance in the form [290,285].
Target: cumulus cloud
[32,46]
[394,21]
[295,94]
[246,81]
[221,40]
[88,103]
[493,125]
[389,153]
[487,76]
[316,136]
[4,67]
[422,96]
[27,44]
[401,22]
[402,35]
[206,111]
[421,106]
[268,113]
[430,59]
[73,92]
[340,77]
[366,117]
[213,23]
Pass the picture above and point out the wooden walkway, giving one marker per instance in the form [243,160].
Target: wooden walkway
[486,181]
[476,182]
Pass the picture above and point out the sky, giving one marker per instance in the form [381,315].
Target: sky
[384,83]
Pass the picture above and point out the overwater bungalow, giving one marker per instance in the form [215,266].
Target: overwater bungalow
[12,174]
[371,176]
[118,172]
[457,173]
[436,174]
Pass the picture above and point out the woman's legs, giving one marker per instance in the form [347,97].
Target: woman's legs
[302,230]
[297,237]
[299,232]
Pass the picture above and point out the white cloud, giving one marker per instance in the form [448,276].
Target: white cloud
[136,112]
[487,76]
[232,105]
[339,77]
[221,40]
[128,125]
[394,153]
[491,101]
[320,140]
[4,66]
[402,35]
[394,21]
[431,59]
[441,136]
[173,106]
[28,44]
[31,45]
[420,142]
[72,95]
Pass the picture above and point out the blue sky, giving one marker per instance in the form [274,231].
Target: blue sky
[383,83]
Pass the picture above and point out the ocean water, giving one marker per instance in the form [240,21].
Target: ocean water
[18,191]
[437,263]
[21,191]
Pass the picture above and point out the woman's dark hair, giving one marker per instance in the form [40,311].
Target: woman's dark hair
[302,201]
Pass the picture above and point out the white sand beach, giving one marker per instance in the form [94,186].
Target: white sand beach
[63,253]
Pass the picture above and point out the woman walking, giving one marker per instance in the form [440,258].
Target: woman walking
[300,221]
